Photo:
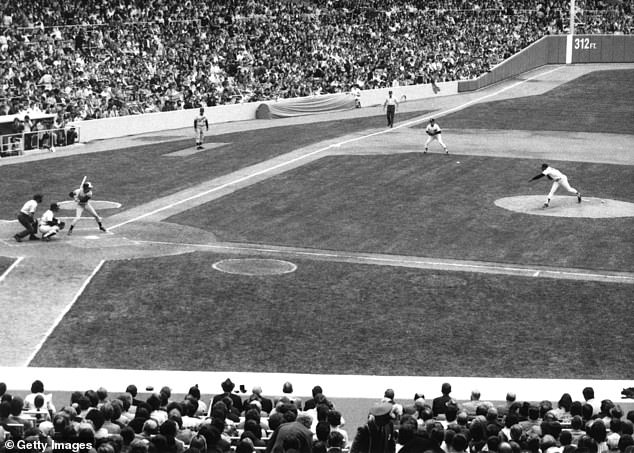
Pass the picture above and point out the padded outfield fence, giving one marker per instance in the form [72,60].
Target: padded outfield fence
[563,49]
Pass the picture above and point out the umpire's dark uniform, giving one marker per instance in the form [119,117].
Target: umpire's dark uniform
[27,219]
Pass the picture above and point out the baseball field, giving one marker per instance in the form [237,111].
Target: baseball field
[336,247]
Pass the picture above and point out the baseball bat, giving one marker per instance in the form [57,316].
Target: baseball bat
[83,181]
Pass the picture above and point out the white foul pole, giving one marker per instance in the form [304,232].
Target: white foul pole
[572,17]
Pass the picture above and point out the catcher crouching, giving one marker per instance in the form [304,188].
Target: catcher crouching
[49,224]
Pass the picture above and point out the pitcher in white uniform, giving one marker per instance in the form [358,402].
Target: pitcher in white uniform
[558,179]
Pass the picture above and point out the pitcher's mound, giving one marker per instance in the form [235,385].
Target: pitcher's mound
[255,266]
[566,206]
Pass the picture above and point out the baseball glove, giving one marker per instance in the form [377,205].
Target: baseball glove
[61,225]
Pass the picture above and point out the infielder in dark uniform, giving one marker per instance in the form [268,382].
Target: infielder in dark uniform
[27,219]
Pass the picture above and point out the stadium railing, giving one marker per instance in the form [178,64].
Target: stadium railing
[17,144]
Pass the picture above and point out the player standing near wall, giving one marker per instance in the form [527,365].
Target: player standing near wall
[391,104]
[200,126]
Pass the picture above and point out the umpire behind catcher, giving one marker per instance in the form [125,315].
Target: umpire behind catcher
[26,217]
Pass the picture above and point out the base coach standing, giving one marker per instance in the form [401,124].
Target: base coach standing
[391,104]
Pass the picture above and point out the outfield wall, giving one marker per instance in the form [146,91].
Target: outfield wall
[560,49]
[106,128]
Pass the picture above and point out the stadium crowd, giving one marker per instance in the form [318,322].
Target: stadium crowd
[96,422]
[93,59]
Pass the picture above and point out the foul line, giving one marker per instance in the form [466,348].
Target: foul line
[10,268]
[61,315]
[320,150]
[414,261]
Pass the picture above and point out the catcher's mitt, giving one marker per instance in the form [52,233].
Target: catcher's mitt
[61,225]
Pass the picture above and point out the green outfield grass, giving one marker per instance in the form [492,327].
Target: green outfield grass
[597,102]
[342,318]
[426,206]
[140,174]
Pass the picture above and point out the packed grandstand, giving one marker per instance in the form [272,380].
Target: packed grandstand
[93,59]
[95,421]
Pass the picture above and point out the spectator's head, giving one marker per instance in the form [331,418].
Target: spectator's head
[446,387]
[38,401]
[576,408]
[598,431]
[459,443]
[588,393]
[245,446]
[37,386]
[336,440]
[194,392]
[306,420]
[287,388]
[96,418]
[275,420]
[253,427]
[565,402]
[227,386]
[565,438]
[132,390]
[381,413]
[317,390]
[625,441]
[102,394]
[334,418]
[154,402]
[606,406]
[17,404]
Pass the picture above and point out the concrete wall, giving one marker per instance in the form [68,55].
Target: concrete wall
[548,50]
[153,122]
[602,49]
[559,49]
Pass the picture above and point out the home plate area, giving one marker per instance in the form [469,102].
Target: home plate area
[566,206]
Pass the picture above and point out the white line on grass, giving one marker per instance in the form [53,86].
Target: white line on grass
[392,261]
[63,313]
[10,268]
[326,148]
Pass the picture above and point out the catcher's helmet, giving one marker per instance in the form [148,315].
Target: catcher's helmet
[87,185]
